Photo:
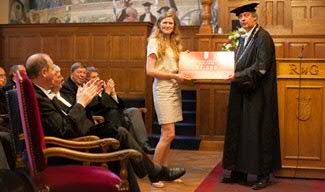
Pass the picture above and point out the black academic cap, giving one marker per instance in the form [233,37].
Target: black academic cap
[166,8]
[146,4]
[245,8]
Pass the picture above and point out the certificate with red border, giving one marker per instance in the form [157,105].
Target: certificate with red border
[207,65]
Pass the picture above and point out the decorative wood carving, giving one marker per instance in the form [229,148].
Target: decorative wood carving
[206,17]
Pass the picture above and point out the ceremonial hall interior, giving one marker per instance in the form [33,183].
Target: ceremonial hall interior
[90,32]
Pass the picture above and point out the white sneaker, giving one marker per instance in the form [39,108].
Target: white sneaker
[158,184]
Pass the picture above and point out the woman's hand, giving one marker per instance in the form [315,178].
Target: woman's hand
[231,77]
[181,77]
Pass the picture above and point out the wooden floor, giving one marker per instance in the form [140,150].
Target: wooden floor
[198,165]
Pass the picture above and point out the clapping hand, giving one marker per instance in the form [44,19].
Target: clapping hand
[110,87]
[88,91]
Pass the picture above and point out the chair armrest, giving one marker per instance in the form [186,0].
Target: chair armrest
[83,144]
[87,138]
[92,157]
[84,138]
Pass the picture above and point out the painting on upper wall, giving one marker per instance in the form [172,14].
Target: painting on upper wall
[92,11]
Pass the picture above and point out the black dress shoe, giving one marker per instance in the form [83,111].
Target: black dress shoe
[148,149]
[167,174]
[261,183]
[235,177]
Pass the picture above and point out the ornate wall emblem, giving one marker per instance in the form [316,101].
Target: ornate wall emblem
[303,111]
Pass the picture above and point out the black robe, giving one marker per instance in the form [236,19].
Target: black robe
[252,135]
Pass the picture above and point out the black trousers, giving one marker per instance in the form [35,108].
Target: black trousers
[105,130]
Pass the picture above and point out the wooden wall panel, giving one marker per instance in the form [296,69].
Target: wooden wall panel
[280,13]
[279,49]
[299,12]
[189,35]
[203,108]
[120,50]
[49,45]
[319,50]
[309,126]
[269,13]
[31,45]
[1,51]
[211,109]
[299,49]
[221,97]
[83,48]
[136,47]
[65,43]
[317,12]
[15,48]
[137,79]
[99,47]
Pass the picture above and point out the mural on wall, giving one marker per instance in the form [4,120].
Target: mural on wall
[89,11]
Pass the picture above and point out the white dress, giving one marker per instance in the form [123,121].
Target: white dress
[166,93]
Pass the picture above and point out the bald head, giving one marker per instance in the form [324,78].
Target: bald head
[36,63]
[39,68]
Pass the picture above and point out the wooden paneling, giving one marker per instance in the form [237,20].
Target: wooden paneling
[118,50]
[211,108]
[82,52]
[48,45]
[287,46]
[279,17]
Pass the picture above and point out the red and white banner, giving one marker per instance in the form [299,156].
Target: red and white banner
[207,65]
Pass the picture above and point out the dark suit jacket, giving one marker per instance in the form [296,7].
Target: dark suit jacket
[57,122]
[153,19]
[105,105]
[69,91]
[3,102]
[9,85]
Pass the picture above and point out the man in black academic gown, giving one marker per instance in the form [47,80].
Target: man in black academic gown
[72,122]
[252,134]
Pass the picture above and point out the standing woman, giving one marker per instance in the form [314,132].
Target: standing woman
[163,51]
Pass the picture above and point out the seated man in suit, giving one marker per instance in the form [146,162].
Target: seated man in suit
[72,122]
[130,118]
[105,105]
[11,83]
[3,80]
[3,103]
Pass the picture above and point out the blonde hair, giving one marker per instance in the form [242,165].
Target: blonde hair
[175,38]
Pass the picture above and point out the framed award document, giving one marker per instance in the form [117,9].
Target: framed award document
[207,65]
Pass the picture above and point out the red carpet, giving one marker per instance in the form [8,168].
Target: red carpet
[212,184]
